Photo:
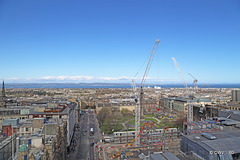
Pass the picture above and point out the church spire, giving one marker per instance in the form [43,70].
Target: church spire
[3,90]
[3,95]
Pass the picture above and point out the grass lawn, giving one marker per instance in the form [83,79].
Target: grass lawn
[131,129]
[104,129]
[132,122]
[150,115]
[169,124]
[116,127]
[150,119]
[125,118]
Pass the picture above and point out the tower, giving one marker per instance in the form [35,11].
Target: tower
[23,152]
[3,104]
[235,95]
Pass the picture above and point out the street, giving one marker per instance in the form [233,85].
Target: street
[85,145]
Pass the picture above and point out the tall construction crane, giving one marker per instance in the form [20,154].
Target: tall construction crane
[194,82]
[137,113]
[189,104]
[139,95]
[146,73]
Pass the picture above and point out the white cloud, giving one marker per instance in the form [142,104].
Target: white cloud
[85,79]
[64,78]
[113,78]
[12,78]
[72,78]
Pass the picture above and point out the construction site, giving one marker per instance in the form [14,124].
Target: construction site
[151,141]
[147,141]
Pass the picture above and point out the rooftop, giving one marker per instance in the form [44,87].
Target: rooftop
[65,111]
[226,140]
[163,156]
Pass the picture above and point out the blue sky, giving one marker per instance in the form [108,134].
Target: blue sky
[111,40]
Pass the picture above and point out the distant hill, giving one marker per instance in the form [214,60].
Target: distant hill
[109,85]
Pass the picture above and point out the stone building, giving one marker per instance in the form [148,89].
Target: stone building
[55,140]
[234,105]
[150,106]
[23,153]
[6,147]
[235,95]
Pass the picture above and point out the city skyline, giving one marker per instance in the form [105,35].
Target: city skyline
[110,41]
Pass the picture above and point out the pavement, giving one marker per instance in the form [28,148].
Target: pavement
[156,119]
[125,125]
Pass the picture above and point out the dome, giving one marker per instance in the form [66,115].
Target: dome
[23,147]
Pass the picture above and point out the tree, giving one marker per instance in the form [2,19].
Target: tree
[109,123]
[112,123]
[179,122]
[103,113]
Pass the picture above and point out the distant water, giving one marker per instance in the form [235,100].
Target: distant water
[108,85]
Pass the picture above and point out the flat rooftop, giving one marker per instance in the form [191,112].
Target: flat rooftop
[226,140]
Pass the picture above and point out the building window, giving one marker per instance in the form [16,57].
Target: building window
[26,129]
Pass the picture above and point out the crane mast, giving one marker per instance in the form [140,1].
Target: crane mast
[137,112]
[189,105]
[139,95]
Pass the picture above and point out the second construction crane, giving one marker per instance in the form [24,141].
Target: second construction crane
[189,104]
[139,95]
[195,87]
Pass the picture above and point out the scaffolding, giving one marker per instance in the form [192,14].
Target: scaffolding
[158,139]
[201,126]
[152,140]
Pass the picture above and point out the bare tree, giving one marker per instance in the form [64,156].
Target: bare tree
[103,113]
[126,112]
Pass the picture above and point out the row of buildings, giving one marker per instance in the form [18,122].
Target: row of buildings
[116,105]
[171,99]
[37,130]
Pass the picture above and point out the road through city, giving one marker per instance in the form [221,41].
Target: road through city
[85,146]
